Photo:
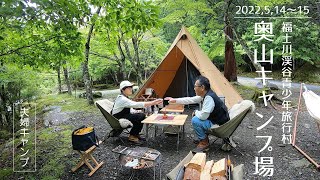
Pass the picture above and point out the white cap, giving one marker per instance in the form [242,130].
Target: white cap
[124,84]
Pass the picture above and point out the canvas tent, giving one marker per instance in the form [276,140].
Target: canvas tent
[184,61]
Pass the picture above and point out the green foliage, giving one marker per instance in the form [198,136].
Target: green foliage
[189,13]
[5,172]
[152,52]
[270,2]
[23,83]
[305,39]
[4,134]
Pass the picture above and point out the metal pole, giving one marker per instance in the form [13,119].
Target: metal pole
[296,119]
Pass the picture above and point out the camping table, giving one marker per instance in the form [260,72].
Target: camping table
[150,157]
[176,120]
[173,108]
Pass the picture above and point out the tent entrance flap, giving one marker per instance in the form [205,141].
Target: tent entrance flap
[183,82]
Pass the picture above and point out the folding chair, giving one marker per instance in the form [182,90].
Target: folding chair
[237,113]
[105,107]
[149,95]
[85,156]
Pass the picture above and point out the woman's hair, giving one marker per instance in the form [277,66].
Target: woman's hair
[204,82]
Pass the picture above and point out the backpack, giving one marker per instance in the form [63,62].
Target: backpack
[83,138]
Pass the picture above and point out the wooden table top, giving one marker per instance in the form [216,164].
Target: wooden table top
[178,119]
[178,108]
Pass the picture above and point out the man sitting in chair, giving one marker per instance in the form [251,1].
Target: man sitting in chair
[213,111]
[123,109]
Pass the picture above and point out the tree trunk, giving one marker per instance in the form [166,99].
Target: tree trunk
[122,61]
[230,66]
[66,78]
[138,68]
[244,46]
[59,80]
[3,119]
[85,69]
[318,8]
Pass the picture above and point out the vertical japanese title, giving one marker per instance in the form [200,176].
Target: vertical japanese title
[264,31]
[24,152]
[263,34]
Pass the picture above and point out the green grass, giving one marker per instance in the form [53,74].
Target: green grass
[53,154]
[245,92]
[5,172]
[58,143]
[5,134]
[67,103]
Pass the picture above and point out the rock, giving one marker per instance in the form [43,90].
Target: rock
[281,145]
[259,85]
[49,108]
[272,86]
[300,163]
[307,126]
[236,139]
[273,127]
[56,129]
[96,94]
[55,117]
[268,84]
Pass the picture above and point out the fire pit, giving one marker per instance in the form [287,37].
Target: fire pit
[139,158]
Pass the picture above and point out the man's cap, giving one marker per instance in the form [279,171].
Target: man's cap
[124,84]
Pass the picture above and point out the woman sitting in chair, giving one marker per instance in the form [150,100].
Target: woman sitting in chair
[123,109]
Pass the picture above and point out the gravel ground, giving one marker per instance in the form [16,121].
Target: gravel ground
[288,162]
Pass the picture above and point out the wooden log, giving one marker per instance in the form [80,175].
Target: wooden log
[219,168]
[205,174]
[195,166]
[218,178]
[191,174]
[197,162]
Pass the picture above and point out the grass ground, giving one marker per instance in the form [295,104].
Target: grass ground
[53,144]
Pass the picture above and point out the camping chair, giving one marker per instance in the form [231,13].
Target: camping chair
[237,113]
[105,107]
[149,95]
[312,102]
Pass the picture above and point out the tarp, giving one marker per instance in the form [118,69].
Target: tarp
[312,101]
[184,61]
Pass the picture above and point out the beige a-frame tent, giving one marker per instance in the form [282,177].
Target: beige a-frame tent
[184,61]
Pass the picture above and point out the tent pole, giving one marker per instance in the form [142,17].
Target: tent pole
[187,78]
[187,81]
[308,157]
[296,119]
